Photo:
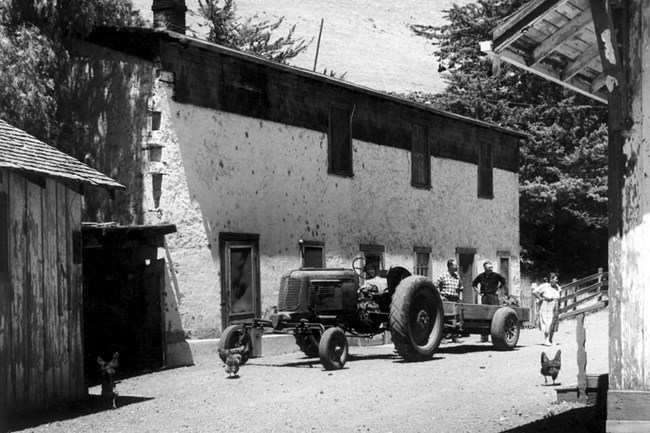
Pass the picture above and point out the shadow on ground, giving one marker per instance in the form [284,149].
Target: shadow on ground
[467,348]
[315,362]
[590,419]
[93,404]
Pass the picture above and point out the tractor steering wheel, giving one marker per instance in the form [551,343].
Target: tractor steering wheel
[364,268]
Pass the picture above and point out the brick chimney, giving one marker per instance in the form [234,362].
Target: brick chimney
[169,14]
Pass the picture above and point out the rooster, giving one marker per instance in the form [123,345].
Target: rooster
[108,371]
[233,359]
[551,367]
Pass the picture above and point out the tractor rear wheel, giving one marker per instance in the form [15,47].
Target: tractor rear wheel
[333,349]
[416,319]
[235,336]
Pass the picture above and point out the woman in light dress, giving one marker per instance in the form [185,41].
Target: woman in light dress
[549,294]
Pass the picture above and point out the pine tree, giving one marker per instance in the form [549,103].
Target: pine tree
[229,30]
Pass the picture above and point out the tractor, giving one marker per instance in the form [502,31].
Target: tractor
[323,306]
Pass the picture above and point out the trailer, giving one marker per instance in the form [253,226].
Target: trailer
[502,322]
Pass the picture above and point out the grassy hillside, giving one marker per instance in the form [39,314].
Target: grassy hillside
[368,40]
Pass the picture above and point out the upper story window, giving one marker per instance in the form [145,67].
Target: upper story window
[312,254]
[340,140]
[420,157]
[422,261]
[485,181]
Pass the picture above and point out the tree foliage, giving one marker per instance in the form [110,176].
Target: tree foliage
[34,56]
[249,35]
[563,163]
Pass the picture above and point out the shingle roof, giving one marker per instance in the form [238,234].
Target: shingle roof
[21,151]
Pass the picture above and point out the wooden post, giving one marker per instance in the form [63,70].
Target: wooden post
[581,358]
[320,32]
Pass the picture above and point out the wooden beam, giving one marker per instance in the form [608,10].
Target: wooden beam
[548,45]
[611,60]
[579,63]
[520,21]
[628,405]
[552,75]
[598,82]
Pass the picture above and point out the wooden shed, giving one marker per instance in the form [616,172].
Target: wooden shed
[41,349]
[123,296]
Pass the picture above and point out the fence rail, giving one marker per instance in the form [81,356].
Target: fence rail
[586,294]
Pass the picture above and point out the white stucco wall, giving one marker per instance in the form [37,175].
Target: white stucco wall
[229,173]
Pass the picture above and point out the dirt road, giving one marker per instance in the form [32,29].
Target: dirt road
[467,387]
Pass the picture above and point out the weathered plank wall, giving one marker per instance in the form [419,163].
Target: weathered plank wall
[628,397]
[40,304]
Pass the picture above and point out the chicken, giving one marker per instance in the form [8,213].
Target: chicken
[551,367]
[108,371]
[233,360]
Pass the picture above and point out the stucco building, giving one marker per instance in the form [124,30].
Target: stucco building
[264,168]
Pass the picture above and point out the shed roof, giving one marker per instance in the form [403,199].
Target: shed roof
[22,152]
[113,229]
[557,40]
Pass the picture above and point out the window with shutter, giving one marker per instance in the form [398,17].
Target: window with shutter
[340,141]
[485,179]
[312,254]
[420,157]
[422,261]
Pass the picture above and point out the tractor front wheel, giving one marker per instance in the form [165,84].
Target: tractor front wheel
[333,349]
[235,336]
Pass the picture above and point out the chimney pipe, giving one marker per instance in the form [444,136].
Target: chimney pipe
[169,15]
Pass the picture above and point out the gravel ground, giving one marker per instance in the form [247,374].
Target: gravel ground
[467,387]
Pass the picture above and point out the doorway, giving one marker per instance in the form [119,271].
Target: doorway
[504,269]
[466,273]
[240,278]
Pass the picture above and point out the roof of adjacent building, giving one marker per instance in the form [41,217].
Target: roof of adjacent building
[559,40]
[146,43]
[23,152]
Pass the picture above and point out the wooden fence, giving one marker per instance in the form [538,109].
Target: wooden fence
[584,295]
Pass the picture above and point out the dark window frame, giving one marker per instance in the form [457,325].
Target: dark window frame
[370,251]
[417,266]
[485,170]
[339,142]
[420,157]
[313,245]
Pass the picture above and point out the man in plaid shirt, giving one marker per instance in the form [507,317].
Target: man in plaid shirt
[449,284]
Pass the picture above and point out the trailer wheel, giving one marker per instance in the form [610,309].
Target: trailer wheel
[235,336]
[416,319]
[333,349]
[308,343]
[505,329]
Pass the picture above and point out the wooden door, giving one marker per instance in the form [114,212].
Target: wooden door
[152,341]
[240,278]
[466,274]
[504,270]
